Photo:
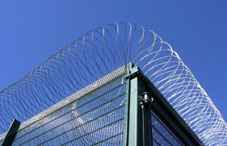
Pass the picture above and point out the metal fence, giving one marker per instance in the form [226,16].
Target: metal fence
[100,52]
[94,117]
[161,134]
[107,112]
[152,121]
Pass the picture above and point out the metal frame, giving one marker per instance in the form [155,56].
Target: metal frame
[11,134]
[142,96]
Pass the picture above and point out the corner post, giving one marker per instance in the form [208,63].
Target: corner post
[134,90]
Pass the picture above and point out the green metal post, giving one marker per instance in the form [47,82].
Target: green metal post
[126,116]
[134,113]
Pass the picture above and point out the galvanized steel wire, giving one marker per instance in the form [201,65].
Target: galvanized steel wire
[102,51]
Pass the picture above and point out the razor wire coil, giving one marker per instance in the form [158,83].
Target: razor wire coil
[102,51]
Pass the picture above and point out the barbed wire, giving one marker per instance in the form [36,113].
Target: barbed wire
[102,51]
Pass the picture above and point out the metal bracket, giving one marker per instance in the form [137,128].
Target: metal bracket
[132,71]
[146,101]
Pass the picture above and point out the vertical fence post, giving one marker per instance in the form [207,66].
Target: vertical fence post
[11,134]
[134,91]
[127,100]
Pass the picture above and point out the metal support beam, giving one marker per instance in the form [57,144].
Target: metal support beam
[11,134]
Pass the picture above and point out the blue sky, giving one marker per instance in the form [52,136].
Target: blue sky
[32,31]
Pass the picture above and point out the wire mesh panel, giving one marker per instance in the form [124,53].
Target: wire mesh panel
[96,118]
[161,134]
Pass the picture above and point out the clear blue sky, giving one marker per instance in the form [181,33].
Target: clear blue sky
[32,31]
